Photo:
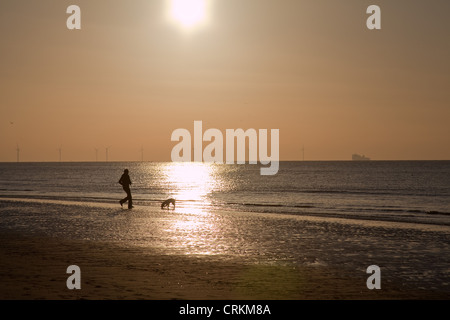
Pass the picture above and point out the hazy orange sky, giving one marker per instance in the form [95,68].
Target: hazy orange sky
[309,68]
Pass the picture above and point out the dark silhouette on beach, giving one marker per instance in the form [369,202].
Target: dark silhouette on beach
[125,181]
[167,203]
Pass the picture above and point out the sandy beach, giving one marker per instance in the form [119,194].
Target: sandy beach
[34,266]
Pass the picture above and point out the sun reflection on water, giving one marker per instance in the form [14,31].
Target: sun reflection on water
[193,226]
[190,181]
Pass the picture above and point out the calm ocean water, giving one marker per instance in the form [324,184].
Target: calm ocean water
[232,212]
[415,191]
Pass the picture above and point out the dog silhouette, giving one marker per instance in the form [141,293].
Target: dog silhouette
[167,203]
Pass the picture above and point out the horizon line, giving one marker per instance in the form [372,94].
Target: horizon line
[168,161]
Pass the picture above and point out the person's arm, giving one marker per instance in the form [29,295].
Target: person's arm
[120,181]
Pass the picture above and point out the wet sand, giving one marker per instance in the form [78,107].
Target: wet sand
[155,254]
[35,268]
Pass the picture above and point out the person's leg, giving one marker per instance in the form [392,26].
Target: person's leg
[130,199]
[127,197]
[124,200]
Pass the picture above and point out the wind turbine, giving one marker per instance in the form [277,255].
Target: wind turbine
[60,152]
[107,149]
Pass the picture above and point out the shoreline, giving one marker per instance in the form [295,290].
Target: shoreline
[34,268]
[313,217]
[153,254]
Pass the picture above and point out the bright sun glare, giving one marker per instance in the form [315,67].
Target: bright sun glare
[189,13]
[190,181]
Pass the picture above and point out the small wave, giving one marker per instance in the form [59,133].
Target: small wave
[418,211]
[438,212]
[392,210]
[272,205]
[363,192]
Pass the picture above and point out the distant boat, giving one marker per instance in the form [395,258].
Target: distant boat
[358,157]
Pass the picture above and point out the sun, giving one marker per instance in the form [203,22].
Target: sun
[189,13]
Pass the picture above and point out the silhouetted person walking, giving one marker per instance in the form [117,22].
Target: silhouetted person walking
[126,182]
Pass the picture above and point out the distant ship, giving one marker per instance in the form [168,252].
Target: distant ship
[358,157]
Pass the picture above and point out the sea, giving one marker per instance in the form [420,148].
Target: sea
[345,215]
[408,191]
